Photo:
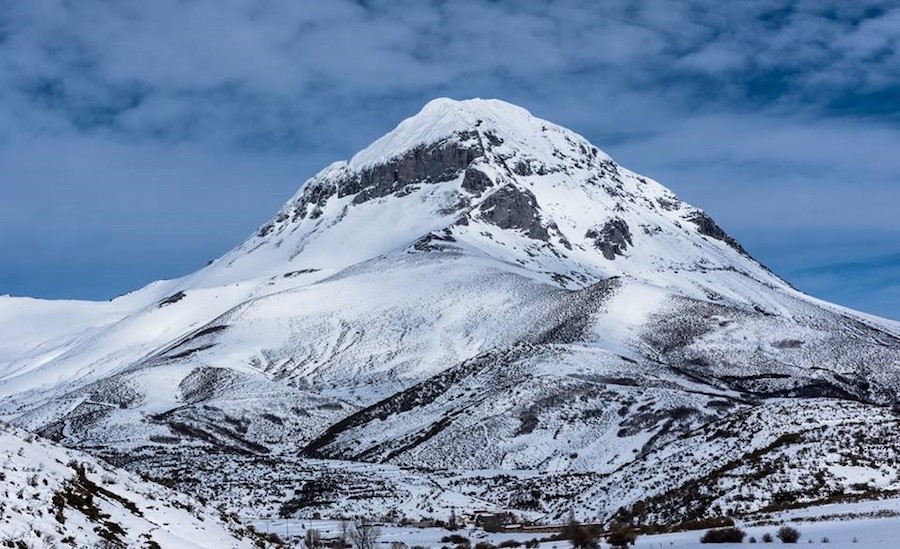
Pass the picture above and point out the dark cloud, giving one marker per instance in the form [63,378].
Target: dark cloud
[182,124]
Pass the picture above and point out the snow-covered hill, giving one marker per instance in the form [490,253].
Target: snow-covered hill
[55,497]
[481,303]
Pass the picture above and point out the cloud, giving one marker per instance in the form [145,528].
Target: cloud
[768,113]
[140,69]
[762,172]
[871,283]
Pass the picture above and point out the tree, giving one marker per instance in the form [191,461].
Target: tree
[313,539]
[724,535]
[344,533]
[579,536]
[582,537]
[788,534]
[621,535]
[451,523]
[571,525]
[365,534]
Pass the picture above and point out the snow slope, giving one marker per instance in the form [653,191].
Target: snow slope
[480,301]
[54,496]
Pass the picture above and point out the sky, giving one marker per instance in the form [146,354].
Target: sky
[138,140]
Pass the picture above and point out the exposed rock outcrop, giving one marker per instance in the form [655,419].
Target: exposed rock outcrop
[612,238]
[706,226]
[512,207]
[476,181]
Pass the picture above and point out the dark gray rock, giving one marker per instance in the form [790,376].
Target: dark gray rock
[612,238]
[476,181]
[514,208]
[522,168]
[492,138]
[669,205]
[706,226]
[434,163]
[174,298]
[317,194]
[435,241]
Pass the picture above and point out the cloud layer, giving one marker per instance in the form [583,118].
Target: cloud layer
[156,135]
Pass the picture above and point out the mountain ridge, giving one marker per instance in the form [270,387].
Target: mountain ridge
[496,157]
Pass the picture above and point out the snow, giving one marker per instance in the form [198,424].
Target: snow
[443,117]
[625,315]
[36,474]
[572,372]
[867,533]
[861,525]
[33,325]
[840,533]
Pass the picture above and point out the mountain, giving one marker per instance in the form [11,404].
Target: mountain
[479,310]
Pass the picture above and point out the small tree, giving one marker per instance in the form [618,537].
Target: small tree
[621,535]
[788,534]
[365,534]
[343,539]
[581,537]
[313,539]
[724,535]
[767,538]
[572,524]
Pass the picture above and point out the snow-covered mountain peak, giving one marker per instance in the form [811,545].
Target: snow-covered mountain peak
[492,178]
[492,120]
[478,292]
[445,118]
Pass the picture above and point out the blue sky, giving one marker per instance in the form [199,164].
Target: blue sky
[140,139]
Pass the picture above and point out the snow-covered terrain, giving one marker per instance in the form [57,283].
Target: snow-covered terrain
[873,524]
[54,497]
[481,310]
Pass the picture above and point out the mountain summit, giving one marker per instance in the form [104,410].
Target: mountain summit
[479,310]
[490,176]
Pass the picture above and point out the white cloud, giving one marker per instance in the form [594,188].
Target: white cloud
[726,103]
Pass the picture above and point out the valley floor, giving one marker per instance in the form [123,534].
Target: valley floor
[863,525]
